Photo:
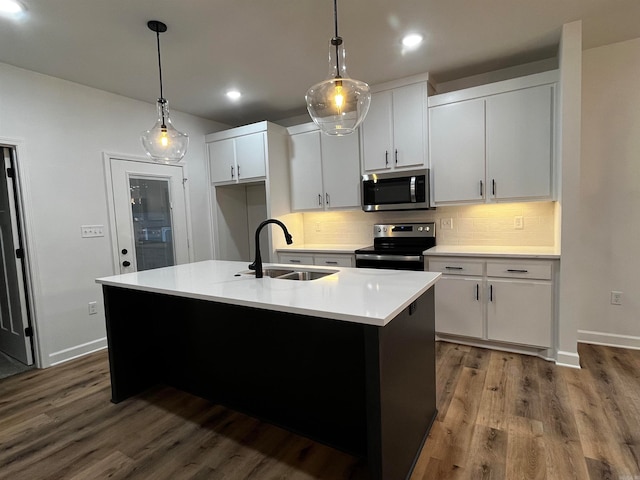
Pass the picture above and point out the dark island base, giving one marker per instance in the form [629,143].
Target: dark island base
[365,390]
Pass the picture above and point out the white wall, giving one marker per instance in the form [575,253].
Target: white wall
[610,194]
[62,130]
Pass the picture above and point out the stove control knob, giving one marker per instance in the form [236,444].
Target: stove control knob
[419,229]
[384,229]
[426,229]
[379,229]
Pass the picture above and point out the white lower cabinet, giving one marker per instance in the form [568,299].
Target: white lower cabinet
[459,306]
[508,301]
[319,258]
[520,311]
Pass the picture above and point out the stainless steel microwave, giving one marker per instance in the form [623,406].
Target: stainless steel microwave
[407,190]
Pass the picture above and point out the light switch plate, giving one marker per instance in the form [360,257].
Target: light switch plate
[89,231]
[518,222]
[446,223]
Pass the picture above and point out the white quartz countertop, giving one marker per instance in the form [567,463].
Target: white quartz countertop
[322,248]
[493,251]
[366,296]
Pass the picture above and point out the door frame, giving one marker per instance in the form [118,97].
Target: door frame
[111,207]
[24,208]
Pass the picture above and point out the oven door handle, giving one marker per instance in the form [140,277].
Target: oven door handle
[393,258]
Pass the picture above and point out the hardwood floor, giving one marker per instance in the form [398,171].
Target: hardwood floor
[501,416]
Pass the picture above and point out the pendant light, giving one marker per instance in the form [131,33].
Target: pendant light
[163,143]
[338,104]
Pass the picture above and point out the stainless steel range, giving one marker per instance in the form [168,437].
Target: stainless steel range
[398,246]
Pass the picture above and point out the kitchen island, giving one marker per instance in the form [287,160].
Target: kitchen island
[347,360]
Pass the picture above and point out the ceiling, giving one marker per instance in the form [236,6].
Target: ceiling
[273,50]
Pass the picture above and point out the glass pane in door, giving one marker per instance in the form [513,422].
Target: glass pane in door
[151,214]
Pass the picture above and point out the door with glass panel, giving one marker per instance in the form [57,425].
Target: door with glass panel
[14,320]
[150,215]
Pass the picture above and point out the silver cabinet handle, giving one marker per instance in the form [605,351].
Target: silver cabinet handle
[292,260]
[515,270]
[331,262]
[396,156]
[319,200]
[328,198]
[454,268]
[238,171]
[232,172]
[493,187]
[481,188]
[386,158]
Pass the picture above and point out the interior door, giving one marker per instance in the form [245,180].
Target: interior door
[13,302]
[150,215]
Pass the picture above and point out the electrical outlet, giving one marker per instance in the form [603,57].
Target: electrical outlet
[93,308]
[518,222]
[89,231]
[616,298]
[446,223]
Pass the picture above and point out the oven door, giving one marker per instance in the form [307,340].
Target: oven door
[394,262]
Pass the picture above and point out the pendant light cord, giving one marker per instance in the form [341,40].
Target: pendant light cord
[162,100]
[336,40]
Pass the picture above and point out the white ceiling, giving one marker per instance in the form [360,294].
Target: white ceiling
[273,50]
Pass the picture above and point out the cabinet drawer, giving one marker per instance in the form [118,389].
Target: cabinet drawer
[537,270]
[456,267]
[334,260]
[296,258]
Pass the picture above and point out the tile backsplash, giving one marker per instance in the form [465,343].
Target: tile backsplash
[471,224]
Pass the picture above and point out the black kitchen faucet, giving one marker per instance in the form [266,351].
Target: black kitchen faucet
[257,264]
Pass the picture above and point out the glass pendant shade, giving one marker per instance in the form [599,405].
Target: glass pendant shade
[339,103]
[163,143]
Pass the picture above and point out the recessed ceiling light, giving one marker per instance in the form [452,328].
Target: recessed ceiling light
[234,94]
[10,6]
[412,40]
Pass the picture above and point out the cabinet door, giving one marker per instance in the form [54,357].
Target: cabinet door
[306,171]
[222,161]
[519,143]
[250,156]
[456,142]
[341,171]
[520,311]
[377,131]
[409,129]
[458,306]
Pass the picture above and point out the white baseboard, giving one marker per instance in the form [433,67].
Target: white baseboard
[609,339]
[568,359]
[77,351]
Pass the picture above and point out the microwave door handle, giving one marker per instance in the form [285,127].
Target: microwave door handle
[412,189]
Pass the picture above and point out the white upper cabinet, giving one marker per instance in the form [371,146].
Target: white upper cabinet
[237,159]
[306,171]
[457,151]
[493,147]
[341,171]
[394,132]
[519,143]
[325,170]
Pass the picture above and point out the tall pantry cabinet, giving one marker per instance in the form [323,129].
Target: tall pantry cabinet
[249,179]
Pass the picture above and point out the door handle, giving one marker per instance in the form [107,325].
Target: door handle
[126,263]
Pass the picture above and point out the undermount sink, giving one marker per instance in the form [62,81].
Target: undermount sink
[286,274]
